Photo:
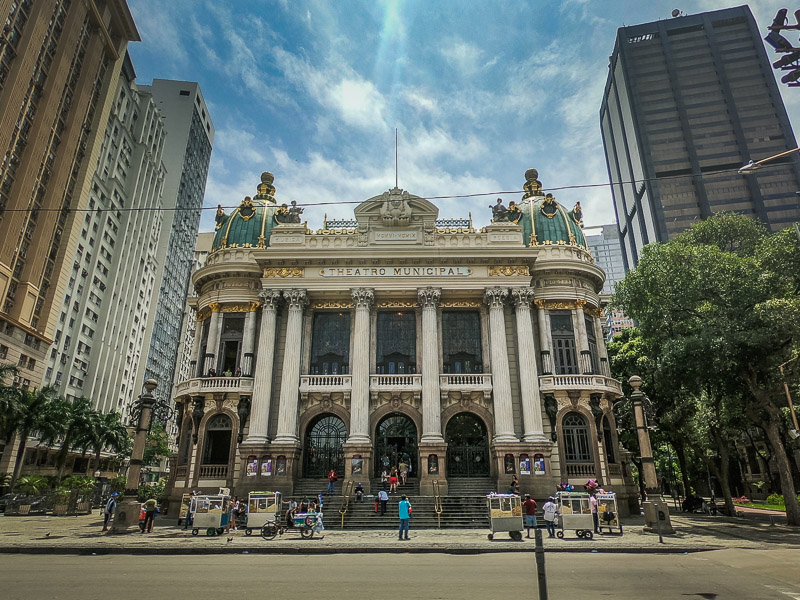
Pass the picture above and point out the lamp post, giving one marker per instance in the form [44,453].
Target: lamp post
[751,167]
[126,516]
[796,432]
[656,511]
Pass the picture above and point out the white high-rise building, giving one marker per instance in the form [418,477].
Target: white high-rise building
[102,322]
[607,252]
[187,153]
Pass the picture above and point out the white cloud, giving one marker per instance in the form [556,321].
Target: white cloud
[463,56]
[358,102]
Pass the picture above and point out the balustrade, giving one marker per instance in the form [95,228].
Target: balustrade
[580,469]
[213,471]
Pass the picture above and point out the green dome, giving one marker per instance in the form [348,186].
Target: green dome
[250,224]
[544,221]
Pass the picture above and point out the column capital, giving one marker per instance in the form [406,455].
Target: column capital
[214,306]
[522,296]
[270,298]
[495,297]
[295,298]
[540,303]
[429,297]
[363,297]
[580,303]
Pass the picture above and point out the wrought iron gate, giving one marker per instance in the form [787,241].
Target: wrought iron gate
[467,447]
[395,438]
[322,450]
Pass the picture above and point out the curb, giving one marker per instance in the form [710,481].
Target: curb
[302,550]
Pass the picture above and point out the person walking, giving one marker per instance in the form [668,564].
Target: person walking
[530,513]
[150,508]
[593,507]
[403,472]
[108,511]
[332,479]
[404,512]
[393,481]
[384,499]
[550,510]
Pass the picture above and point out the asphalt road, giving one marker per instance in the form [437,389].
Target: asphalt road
[725,574]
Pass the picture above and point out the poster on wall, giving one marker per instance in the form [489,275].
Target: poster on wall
[433,464]
[252,466]
[280,466]
[356,464]
[524,464]
[538,464]
[266,466]
[508,462]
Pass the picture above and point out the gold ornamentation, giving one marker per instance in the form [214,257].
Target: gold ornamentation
[254,306]
[247,209]
[568,305]
[508,271]
[396,304]
[202,314]
[549,207]
[214,306]
[595,312]
[319,305]
[580,303]
[284,272]
[242,307]
[461,304]
[336,231]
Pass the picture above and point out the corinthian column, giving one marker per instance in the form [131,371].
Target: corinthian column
[248,339]
[532,430]
[296,301]
[544,337]
[501,376]
[262,383]
[431,402]
[359,394]
[212,344]
[196,362]
[582,341]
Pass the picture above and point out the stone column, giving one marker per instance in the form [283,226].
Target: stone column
[262,383]
[431,401]
[532,429]
[359,394]
[212,344]
[581,340]
[501,376]
[248,339]
[296,301]
[545,341]
[196,363]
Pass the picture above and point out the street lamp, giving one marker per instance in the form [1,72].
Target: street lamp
[126,516]
[656,511]
[794,433]
[751,167]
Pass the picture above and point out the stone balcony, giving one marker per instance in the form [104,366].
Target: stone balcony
[214,385]
[325,384]
[396,384]
[590,383]
[466,383]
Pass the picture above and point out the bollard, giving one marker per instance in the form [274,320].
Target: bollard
[661,517]
[540,573]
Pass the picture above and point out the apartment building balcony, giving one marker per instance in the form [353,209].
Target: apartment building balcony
[212,385]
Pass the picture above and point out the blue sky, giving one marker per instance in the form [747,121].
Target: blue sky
[480,92]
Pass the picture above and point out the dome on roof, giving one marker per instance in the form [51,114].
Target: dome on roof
[250,224]
[545,221]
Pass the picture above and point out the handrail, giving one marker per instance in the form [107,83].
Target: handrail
[347,490]
[437,502]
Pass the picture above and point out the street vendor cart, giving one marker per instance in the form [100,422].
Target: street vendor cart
[607,513]
[211,513]
[575,514]
[262,507]
[505,514]
[302,523]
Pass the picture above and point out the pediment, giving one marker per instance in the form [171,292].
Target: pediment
[396,208]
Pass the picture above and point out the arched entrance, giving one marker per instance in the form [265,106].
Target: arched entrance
[467,446]
[322,450]
[395,440]
[217,446]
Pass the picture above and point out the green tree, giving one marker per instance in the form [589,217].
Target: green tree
[105,430]
[72,420]
[157,445]
[721,304]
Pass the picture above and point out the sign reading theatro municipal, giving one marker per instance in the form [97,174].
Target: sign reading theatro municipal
[396,339]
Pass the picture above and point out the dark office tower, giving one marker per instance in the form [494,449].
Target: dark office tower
[687,102]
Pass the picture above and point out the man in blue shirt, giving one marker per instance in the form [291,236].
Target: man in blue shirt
[404,510]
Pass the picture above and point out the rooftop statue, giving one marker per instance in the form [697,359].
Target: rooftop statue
[501,214]
[395,210]
[288,215]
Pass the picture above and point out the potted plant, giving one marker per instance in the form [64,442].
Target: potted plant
[82,489]
[61,502]
[30,485]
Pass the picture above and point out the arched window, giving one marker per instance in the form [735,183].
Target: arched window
[217,447]
[323,446]
[608,440]
[576,438]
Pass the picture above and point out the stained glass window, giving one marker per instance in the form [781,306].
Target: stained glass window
[397,342]
[330,343]
[566,360]
[461,342]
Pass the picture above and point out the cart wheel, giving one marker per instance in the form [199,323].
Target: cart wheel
[194,532]
[579,532]
[220,530]
[588,535]
[269,531]
[309,521]
[490,536]
[307,533]
[515,535]
[560,535]
[248,531]
[211,531]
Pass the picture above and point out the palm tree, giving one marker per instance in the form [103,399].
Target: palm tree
[30,411]
[70,420]
[9,407]
[106,430]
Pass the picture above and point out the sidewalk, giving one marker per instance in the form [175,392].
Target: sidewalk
[82,535]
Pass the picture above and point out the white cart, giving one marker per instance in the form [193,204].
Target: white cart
[505,514]
[607,513]
[575,514]
[262,507]
[210,513]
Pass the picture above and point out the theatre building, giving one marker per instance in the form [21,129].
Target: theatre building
[474,354]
